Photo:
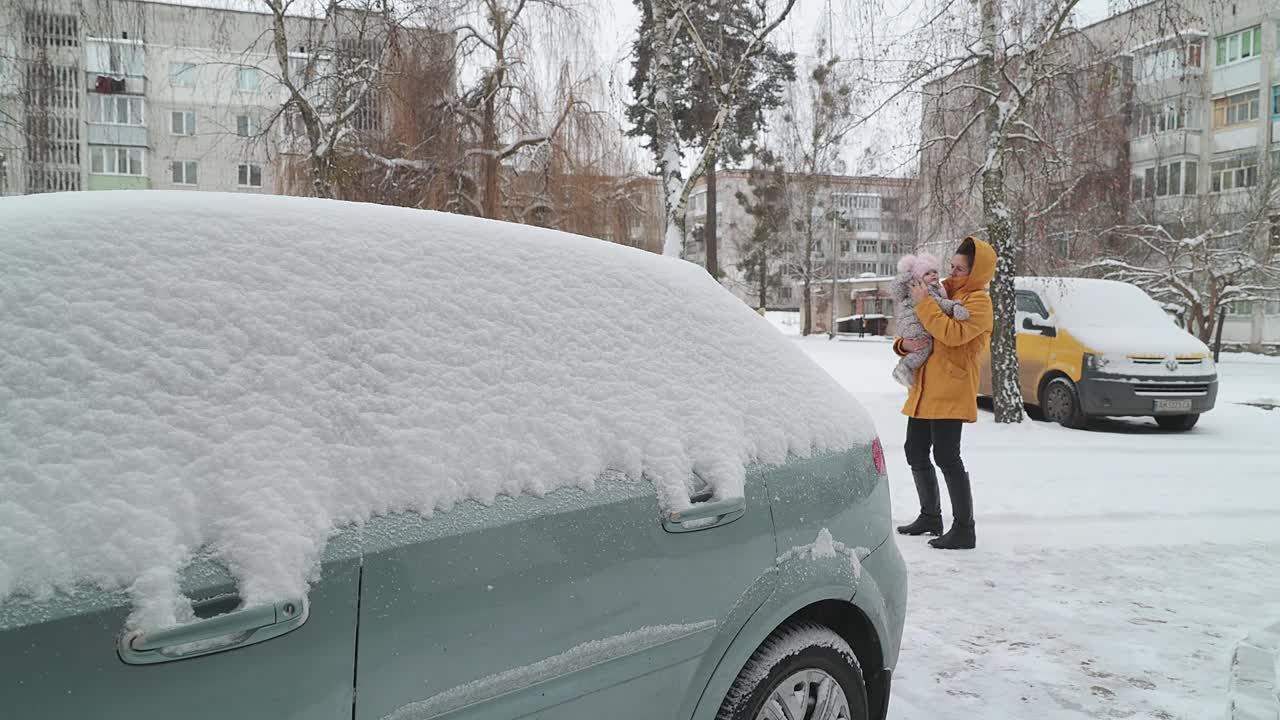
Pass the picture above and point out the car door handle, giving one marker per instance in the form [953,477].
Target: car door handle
[228,631]
[705,515]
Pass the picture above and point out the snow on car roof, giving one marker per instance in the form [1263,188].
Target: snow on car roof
[1087,302]
[246,373]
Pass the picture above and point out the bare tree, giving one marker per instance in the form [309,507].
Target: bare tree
[331,70]
[494,110]
[816,122]
[1206,258]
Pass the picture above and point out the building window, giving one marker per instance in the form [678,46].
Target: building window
[1194,53]
[249,79]
[1235,109]
[866,224]
[1275,98]
[42,28]
[1240,307]
[245,126]
[250,175]
[1240,172]
[1163,117]
[183,122]
[784,293]
[117,109]
[855,201]
[184,172]
[116,57]
[106,160]
[1239,46]
[844,246]
[182,74]
[868,246]
[1176,178]
[1169,62]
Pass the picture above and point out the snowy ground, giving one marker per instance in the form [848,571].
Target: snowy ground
[1117,570]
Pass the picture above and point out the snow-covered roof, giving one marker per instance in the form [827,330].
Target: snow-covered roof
[245,373]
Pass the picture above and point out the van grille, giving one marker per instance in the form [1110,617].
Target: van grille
[1165,389]
[1182,361]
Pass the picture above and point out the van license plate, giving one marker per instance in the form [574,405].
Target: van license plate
[1171,406]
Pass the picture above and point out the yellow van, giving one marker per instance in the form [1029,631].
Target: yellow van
[1091,348]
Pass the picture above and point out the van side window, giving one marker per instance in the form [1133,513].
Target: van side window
[1029,302]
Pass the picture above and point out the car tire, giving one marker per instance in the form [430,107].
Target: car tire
[1061,404]
[1177,423]
[805,667]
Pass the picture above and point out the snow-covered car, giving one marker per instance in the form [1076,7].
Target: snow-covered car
[1090,348]
[287,458]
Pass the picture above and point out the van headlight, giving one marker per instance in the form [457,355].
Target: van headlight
[1097,363]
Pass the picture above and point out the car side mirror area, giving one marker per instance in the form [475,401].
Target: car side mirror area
[1048,330]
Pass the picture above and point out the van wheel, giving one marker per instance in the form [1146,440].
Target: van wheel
[1177,423]
[802,671]
[1061,404]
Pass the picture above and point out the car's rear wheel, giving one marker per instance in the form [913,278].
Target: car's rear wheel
[1061,403]
[1177,423]
[804,671]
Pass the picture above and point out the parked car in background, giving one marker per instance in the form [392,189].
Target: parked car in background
[292,459]
[1090,348]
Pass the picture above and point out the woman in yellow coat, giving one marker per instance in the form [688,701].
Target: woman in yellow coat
[945,394]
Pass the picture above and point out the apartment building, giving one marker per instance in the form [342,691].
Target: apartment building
[125,94]
[118,94]
[877,226]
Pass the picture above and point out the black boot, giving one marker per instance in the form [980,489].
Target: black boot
[930,520]
[961,536]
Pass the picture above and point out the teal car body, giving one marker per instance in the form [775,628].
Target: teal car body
[580,604]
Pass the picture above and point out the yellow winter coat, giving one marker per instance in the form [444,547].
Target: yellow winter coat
[947,387]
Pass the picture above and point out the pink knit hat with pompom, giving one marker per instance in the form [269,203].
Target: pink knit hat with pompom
[919,264]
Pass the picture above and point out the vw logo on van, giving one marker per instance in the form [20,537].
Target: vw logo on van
[1172,364]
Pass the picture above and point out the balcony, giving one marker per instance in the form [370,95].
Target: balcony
[1165,145]
[1236,138]
[132,84]
[126,135]
[1238,76]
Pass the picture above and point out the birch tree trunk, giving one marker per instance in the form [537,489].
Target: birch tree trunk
[710,234]
[668,148]
[995,214]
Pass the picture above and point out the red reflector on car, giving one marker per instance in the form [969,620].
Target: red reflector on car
[877,454]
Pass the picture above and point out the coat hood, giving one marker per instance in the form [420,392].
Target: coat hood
[984,268]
